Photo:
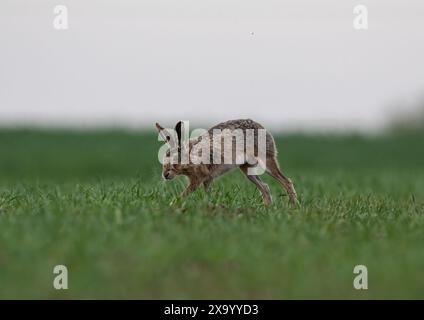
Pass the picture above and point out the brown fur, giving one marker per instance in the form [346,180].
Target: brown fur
[204,174]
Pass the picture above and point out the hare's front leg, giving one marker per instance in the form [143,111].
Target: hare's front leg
[190,188]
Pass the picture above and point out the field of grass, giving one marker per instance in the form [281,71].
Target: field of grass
[95,202]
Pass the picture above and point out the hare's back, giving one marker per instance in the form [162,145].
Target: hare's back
[238,124]
[244,124]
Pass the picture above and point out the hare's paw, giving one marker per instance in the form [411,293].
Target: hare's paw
[175,201]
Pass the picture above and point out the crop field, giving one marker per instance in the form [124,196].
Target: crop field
[95,202]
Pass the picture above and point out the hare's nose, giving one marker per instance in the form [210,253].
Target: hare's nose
[166,175]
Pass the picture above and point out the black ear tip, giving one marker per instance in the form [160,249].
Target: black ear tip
[179,129]
[178,126]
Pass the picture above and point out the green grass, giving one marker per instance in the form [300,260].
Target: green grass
[95,202]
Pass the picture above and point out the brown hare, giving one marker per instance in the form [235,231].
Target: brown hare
[178,158]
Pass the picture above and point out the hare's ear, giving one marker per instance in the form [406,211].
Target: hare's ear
[179,127]
[164,134]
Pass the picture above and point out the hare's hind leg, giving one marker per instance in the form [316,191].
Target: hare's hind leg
[207,184]
[263,187]
[273,170]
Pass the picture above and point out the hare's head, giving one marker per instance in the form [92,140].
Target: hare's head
[171,164]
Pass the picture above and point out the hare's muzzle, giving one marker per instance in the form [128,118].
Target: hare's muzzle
[168,175]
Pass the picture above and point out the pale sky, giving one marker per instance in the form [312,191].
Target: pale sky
[289,64]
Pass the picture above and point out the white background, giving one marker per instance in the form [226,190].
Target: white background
[289,64]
